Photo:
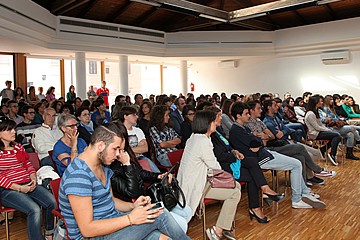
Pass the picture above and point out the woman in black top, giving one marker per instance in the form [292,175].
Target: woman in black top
[188,114]
[144,117]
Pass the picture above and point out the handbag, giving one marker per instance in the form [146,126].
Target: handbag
[337,124]
[169,193]
[220,179]
[276,143]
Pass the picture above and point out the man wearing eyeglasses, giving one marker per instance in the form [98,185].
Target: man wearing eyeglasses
[26,128]
[13,109]
[45,137]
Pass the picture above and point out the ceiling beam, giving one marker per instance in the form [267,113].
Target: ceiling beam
[63,6]
[256,25]
[88,8]
[119,11]
[331,12]
[300,17]
[145,16]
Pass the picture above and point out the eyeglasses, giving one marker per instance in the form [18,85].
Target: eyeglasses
[73,125]
[191,114]
[31,112]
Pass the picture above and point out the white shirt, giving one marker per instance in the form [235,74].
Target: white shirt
[44,139]
[136,135]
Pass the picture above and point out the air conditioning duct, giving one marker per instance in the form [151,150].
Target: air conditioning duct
[335,57]
[228,64]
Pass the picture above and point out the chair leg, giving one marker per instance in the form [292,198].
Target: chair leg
[7,226]
[204,223]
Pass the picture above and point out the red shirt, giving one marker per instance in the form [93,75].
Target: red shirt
[104,93]
[15,167]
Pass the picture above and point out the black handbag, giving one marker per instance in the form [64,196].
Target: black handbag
[169,193]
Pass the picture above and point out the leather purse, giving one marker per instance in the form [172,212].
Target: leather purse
[169,193]
[220,179]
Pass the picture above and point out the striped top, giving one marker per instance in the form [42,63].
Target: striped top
[15,167]
[78,179]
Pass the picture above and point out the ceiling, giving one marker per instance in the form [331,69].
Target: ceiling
[175,17]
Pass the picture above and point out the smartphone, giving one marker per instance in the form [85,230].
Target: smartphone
[158,205]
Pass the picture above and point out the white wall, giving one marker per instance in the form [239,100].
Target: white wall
[279,74]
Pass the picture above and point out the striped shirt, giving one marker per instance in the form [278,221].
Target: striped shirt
[15,167]
[79,180]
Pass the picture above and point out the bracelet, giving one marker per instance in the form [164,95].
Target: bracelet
[74,151]
[128,216]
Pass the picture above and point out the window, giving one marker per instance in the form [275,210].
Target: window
[93,67]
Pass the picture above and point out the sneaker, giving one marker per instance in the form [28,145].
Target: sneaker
[333,159]
[308,183]
[229,235]
[211,234]
[314,202]
[315,181]
[326,173]
[315,195]
[301,204]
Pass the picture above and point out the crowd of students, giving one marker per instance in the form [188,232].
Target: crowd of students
[97,154]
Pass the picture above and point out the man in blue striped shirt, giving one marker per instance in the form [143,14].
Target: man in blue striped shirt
[90,209]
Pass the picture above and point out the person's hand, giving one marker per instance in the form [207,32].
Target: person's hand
[25,188]
[279,134]
[32,185]
[170,177]
[143,214]
[142,201]
[255,149]
[124,158]
[238,154]
[73,138]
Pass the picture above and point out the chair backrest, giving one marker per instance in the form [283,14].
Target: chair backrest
[175,157]
[52,160]
[35,161]
[145,165]
[55,186]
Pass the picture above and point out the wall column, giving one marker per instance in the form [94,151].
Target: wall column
[184,77]
[80,65]
[124,74]
[20,75]
[62,78]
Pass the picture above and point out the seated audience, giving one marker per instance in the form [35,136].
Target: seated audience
[101,115]
[164,138]
[136,136]
[227,120]
[347,107]
[197,159]
[176,116]
[250,145]
[32,98]
[91,210]
[129,177]
[338,101]
[45,137]
[244,169]
[144,117]
[186,126]
[86,127]
[13,109]
[40,95]
[50,94]
[69,145]
[354,107]
[300,109]
[25,129]
[18,186]
[318,131]
[71,94]
[39,112]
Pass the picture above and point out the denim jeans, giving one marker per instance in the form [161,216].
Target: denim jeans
[334,138]
[282,162]
[350,133]
[153,166]
[300,131]
[164,224]
[182,216]
[28,203]
[164,160]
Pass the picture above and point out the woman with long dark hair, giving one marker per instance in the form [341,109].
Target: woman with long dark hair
[186,126]
[32,98]
[164,138]
[227,120]
[144,116]
[18,187]
[71,95]
[318,131]
[50,94]
[289,111]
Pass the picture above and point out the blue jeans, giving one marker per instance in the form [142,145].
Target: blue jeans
[164,160]
[299,133]
[153,166]
[282,162]
[28,203]
[182,216]
[350,133]
[164,224]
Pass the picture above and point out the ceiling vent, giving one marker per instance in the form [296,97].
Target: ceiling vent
[228,64]
[335,57]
